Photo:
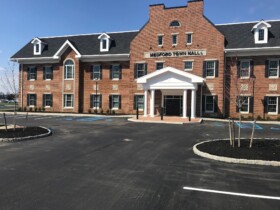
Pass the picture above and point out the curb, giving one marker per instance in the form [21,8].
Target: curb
[234,160]
[28,137]
[258,122]
[163,122]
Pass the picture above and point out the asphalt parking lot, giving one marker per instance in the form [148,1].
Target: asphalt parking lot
[110,163]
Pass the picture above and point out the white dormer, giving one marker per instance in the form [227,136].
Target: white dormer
[105,42]
[38,46]
[261,32]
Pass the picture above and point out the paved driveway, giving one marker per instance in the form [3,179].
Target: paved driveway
[115,164]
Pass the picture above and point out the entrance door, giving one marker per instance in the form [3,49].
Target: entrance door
[173,105]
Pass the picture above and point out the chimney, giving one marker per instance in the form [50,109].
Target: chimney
[196,6]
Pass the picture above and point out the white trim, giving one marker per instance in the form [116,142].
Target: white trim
[185,65]
[252,48]
[64,47]
[107,57]
[278,68]
[249,72]
[277,106]
[237,23]
[209,111]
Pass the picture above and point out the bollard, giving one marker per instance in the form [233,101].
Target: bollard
[190,118]
[161,113]
[137,113]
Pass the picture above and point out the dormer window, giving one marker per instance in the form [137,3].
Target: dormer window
[261,32]
[38,46]
[37,50]
[104,42]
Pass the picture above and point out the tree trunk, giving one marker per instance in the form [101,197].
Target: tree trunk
[230,132]
[15,114]
[253,132]
[239,129]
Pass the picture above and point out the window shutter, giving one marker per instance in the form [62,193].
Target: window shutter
[266,68]
[44,73]
[203,103]
[135,71]
[44,99]
[120,71]
[91,101]
[51,73]
[111,71]
[265,104]
[35,100]
[215,104]
[120,102]
[251,109]
[134,103]
[278,105]
[36,73]
[204,69]
[91,72]
[252,69]
[51,98]
[100,101]
[28,97]
[28,73]
[217,69]
[238,69]
[100,71]
[146,68]
[110,102]
[237,103]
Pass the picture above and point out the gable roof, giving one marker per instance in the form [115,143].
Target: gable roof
[240,35]
[84,44]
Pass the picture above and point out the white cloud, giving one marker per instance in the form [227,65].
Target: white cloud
[2,68]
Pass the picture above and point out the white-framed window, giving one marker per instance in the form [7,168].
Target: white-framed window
[95,101]
[47,100]
[210,69]
[37,48]
[261,34]
[272,105]
[32,73]
[273,69]
[69,69]
[189,37]
[244,104]
[140,70]
[96,72]
[174,39]
[139,102]
[160,40]
[245,69]
[31,100]
[104,42]
[47,72]
[115,72]
[188,65]
[209,104]
[159,65]
[115,102]
[68,100]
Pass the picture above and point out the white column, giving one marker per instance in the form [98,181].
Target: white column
[185,104]
[193,104]
[152,103]
[146,103]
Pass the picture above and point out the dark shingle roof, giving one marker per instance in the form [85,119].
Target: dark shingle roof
[241,36]
[85,44]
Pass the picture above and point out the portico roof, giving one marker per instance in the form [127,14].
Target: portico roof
[170,78]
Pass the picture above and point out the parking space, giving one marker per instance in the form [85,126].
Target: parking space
[110,163]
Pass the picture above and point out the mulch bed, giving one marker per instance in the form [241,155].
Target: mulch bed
[19,132]
[268,150]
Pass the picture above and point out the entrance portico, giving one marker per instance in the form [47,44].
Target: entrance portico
[174,85]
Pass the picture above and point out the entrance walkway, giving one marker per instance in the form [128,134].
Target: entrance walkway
[166,120]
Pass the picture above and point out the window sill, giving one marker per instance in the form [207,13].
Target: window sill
[96,79]
[244,112]
[174,45]
[210,77]
[47,79]
[274,77]
[31,106]
[209,112]
[95,108]
[69,79]
[244,78]
[188,69]
[188,44]
[32,80]
[115,79]
[68,107]
[47,107]
[115,108]
[272,113]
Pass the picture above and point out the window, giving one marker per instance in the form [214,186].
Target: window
[174,39]
[160,40]
[37,48]
[245,69]
[244,104]
[96,72]
[31,100]
[47,100]
[95,101]
[68,101]
[115,102]
[69,70]
[261,34]
[104,44]
[115,72]
[140,70]
[188,65]
[273,68]
[209,103]
[159,65]
[210,69]
[32,73]
[139,102]
[175,23]
[189,39]
[47,73]
[272,105]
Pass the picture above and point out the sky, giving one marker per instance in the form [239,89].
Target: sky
[22,20]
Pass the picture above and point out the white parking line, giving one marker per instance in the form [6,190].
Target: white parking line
[42,118]
[232,193]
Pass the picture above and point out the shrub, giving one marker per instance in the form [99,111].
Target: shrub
[268,118]
[19,109]
[278,118]
[101,111]
[108,111]
[39,109]
[43,109]
[30,109]
[89,111]
[113,112]
[35,109]
[95,111]
[259,118]
[24,109]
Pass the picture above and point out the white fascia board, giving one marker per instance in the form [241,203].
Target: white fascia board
[104,35]
[64,47]
[252,51]
[38,60]
[259,23]
[106,57]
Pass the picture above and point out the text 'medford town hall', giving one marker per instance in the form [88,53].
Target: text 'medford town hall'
[179,60]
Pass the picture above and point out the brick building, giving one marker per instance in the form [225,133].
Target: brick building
[179,60]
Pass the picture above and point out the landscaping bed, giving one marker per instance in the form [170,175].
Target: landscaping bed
[21,133]
[262,149]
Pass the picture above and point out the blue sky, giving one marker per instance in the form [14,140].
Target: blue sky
[21,20]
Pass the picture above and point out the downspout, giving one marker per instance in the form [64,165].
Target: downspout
[21,89]
[224,86]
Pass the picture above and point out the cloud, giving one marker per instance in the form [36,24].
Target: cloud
[2,68]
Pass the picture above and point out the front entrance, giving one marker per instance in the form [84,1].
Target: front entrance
[173,105]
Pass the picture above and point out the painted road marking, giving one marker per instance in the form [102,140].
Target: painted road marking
[90,119]
[42,118]
[232,193]
[276,129]
[248,125]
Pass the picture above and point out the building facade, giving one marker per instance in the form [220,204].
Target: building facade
[179,61]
